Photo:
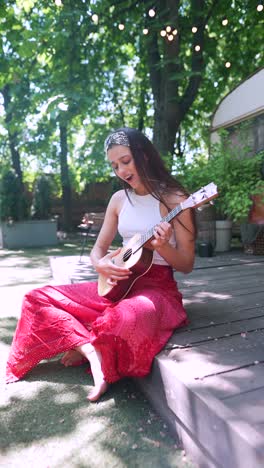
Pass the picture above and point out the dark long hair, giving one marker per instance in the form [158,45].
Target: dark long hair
[151,169]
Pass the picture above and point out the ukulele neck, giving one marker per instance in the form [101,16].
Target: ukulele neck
[144,238]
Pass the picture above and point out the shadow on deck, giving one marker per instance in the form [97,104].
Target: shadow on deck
[208,382]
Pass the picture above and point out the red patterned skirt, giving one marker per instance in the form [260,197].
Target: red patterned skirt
[128,333]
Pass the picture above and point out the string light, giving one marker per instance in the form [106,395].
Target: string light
[95,18]
[152,13]
[169,33]
[58,3]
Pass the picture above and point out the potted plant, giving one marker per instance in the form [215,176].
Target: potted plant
[17,228]
[237,176]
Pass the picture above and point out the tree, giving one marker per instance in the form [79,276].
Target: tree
[189,45]
[16,65]
[70,76]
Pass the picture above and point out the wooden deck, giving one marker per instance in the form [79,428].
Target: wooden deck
[208,382]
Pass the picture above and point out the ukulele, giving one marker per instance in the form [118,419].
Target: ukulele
[137,258]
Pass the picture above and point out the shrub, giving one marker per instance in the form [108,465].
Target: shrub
[13,202]
[236,174]
[41,203]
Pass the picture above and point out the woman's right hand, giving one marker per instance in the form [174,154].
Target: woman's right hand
[107,267]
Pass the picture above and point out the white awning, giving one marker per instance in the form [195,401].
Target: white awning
[245,101]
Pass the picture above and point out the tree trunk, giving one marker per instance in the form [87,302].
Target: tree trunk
[12,136]
[164,71]
[173,92]
[65,179]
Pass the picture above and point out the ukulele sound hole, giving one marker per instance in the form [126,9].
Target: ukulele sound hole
[127,255]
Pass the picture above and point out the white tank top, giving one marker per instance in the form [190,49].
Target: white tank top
[138,216]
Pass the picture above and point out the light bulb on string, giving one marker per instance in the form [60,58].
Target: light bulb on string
[194,29]
[121,27]
[168,29]
[163,33]
[227,64]
[170,37]
[174,32]
[145,31]
[95,18]
[197,48]
[58,3]
[260,7]
[225,22]
[152,12]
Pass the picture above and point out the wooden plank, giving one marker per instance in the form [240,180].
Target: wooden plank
[206,318]
[218,356]
[238,288]
[234,382]
[237,272]
[206,334]
[231,258]
[218,281]
[223,286]
[223,272]
[189,282]
[211,304]
[223,292]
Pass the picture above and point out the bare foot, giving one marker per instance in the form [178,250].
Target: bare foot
[72,358]
[98,391]
[95,359]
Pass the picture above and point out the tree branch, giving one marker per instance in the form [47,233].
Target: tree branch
[197,56]
[154,61]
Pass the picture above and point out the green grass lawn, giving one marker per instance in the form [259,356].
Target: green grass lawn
[46,420]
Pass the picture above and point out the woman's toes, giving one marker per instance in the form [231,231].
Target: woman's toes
[72,358]
[98,391]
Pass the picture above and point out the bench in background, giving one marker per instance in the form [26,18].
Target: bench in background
[90,227]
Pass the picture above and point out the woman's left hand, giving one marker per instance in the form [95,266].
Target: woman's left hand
[162,235]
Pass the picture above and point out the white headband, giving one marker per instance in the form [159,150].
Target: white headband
[116,138]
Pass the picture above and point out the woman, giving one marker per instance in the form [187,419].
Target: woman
[117,338]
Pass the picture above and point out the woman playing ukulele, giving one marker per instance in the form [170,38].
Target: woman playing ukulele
[121,338]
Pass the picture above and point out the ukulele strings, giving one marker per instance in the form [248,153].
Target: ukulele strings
[145,237]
